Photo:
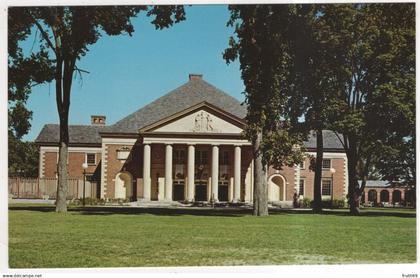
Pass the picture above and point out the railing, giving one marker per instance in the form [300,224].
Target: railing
[46,188]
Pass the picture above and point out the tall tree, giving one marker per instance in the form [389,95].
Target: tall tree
[65,35]
[373,49]
[261,45]
[311,84]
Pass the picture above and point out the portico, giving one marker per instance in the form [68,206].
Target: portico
[210,165]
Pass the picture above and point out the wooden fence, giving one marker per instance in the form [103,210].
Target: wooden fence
[46,188]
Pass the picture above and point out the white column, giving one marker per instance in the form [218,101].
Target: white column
[237,175]
[191,173]
[215,173]
[168,173]
[146,173]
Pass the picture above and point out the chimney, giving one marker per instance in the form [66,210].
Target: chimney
[97,120]
[193,76]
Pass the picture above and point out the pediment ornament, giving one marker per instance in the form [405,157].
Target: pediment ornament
[203,122]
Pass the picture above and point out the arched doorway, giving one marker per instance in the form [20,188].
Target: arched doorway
[410,197]
[372,196]
[396,196]
[384,196]
[276,188]
[123,186]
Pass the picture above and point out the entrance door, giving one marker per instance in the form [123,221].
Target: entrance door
[223,191]
[200,190]
[178,190]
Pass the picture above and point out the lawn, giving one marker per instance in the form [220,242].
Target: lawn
[127,237]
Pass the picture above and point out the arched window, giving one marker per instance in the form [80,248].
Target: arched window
[384,196]
[372,196]
[396,196]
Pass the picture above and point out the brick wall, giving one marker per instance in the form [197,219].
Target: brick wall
[74,166]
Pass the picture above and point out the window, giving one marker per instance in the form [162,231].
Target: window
[302,165]
[224,158]
[326,188]
[123,153]
[301,187]
[201,158]
[179,162]
[179,157]
[91,158]
[326,164]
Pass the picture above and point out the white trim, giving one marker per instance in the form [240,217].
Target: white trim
[346,180]
[297,178]
[198,141]
[71,149]
[117,141]
[104,160]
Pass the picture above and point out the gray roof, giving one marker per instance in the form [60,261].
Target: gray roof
[87,134]
[191,93]
[375,183]
[331,140]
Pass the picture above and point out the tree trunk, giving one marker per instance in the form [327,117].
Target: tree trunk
[62,187]
[260,180]
[317,206]
[354,193]
[63,90]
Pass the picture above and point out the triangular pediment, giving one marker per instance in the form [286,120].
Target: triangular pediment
[201,118]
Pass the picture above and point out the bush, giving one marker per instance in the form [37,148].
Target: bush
[308,203]
[338,203]
[88,202]
[305,203]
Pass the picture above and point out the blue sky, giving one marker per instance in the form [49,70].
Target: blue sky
[127,73]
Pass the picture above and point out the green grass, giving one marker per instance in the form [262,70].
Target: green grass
[124,237]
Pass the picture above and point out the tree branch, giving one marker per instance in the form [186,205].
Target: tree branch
[45,36]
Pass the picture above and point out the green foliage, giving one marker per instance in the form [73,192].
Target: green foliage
[97,202]
[23,158]
[305,203]
[262,46]
[374,46]
[341,203]
[335,204]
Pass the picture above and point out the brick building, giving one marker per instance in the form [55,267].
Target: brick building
[186,145]
[384,194]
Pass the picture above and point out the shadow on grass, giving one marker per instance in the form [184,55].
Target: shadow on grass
[208,211]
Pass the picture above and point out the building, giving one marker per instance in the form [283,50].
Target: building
[384,194]
[184,146]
